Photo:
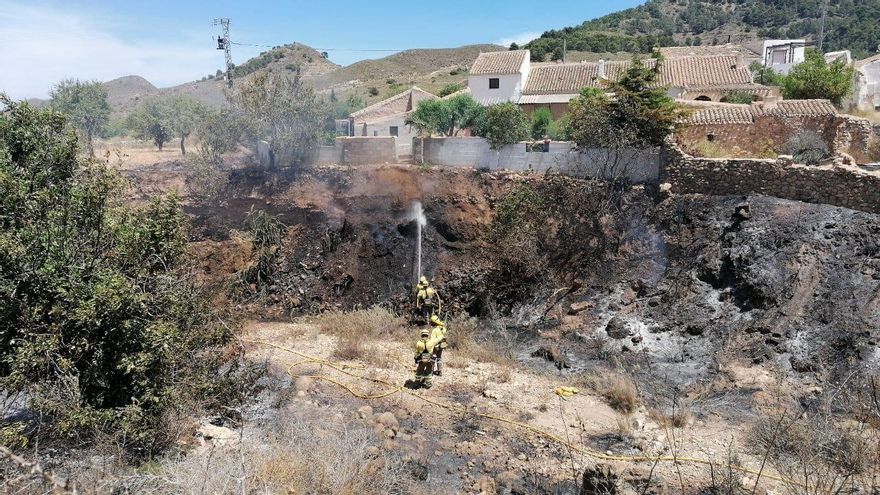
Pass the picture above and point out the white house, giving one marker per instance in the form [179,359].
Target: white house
[498,77]
[782,55]
[388,118]
[866,90]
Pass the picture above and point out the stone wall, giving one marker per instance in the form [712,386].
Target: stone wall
[839,185]
[638,166]
[769,133]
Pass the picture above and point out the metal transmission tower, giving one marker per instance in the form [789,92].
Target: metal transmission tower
[223,43]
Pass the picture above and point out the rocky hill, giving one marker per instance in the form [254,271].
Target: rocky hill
[372,80]
[850,25]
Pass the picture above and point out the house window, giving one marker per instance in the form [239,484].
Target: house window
[779,56]
[494,83]
[393,131]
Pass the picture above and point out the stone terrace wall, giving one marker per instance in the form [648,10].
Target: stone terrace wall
[845,186]
[638,166]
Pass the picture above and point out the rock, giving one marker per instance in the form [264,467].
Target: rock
[485,486]
[600,480]
[388,444]
[618,328]
[553,355]
[579,307]
[654,301]
[695,329]
[303,383]
[491,394]
[803,365]
[217,435]
[636,339]
[743,211]
[389,433]
[387,419]
[365,412]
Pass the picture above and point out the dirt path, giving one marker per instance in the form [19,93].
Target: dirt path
[472,452]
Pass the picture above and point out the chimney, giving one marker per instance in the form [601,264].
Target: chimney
[771,102]
[600,69]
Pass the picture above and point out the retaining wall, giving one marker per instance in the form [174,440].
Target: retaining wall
[839,185]
[637,165]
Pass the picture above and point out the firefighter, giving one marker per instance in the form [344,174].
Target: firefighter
[427,299]
[423,357]
[438,331]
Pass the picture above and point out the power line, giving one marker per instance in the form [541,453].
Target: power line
[331,49]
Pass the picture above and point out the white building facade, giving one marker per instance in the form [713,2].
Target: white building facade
[499,77]
[782,55]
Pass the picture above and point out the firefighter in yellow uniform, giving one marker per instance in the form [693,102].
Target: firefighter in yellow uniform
[427,299]
[424,363]
[438,331]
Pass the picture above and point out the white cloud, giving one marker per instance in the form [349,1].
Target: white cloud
[43,45]
[519,39]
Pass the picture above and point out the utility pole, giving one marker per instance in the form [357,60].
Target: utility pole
[822,25]
[223,43]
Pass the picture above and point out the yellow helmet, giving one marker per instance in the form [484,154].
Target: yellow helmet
[423,280]
[435,320]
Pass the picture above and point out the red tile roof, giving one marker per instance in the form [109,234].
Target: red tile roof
[499,63]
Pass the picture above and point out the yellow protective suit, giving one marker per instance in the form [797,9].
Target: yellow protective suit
[424,351]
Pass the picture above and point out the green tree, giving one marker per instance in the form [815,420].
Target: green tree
[815,78]
[184,116]
[102,326]
[85,104]
[541,120]
[505,123]
[446,117]
[639,115]
[151,121]
[283,112]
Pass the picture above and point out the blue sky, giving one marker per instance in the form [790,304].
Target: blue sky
[170,42]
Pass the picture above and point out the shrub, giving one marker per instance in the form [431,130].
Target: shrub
[505,124]
[541,121]
[446,117]
[807,147]
[742,97]
[621,394]
[816,78]
[103,327]
[449,89]
[373,91]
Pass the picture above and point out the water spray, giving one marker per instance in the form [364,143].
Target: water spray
[417,214]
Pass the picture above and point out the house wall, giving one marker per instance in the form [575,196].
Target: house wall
[509,88]
[768,135]
[637,165]
[866,92]
[795,56]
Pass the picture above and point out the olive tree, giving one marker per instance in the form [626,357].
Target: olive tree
[446,117]
[282,111]
[160,119]
[86,107]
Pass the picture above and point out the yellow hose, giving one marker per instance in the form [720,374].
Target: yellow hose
[581,450]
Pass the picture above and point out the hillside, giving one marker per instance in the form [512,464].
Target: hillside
[851,24]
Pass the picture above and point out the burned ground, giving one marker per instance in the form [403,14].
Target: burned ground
[677,283]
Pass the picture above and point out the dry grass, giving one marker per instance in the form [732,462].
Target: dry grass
[293,455]
[621,394]
[679,419]
[349,349]
[364,324]
[465,340]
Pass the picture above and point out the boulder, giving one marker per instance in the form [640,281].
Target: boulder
[618,328]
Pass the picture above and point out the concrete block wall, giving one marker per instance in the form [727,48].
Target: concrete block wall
[637,165]
[367,150]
